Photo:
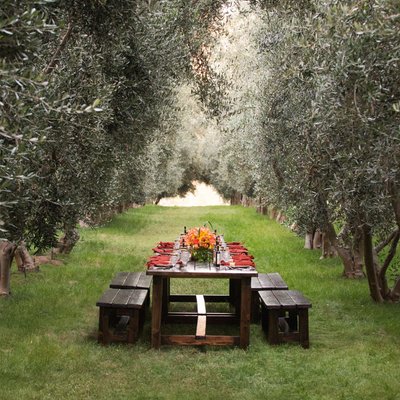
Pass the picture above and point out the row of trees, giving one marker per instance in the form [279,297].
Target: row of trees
[88,93]
[301,111]
[313,118]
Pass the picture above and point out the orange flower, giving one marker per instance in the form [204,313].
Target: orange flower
[200,238]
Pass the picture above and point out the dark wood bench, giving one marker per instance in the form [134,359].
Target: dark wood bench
[271,281]
[132,280]
[284,316]
[121,315]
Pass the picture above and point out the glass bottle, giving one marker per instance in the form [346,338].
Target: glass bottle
[218,257]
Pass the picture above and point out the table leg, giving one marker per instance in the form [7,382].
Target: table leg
[165,298]
[245,306]
[156,312]
[234,294]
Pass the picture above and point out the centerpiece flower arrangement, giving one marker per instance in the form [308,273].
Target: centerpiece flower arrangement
[201,242]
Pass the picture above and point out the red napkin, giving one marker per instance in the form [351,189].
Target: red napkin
[242,257]
[159,258]
[166,245]
[162,250]
[238,264]
[163,260]
[158,264]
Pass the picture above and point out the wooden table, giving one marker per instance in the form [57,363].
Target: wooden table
[162,297]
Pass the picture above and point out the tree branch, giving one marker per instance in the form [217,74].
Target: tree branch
[395,200]
[278,172]
[385,242]
[392,253]
[370,266]
[60,48]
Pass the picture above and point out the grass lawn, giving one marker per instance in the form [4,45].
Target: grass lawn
[48,347]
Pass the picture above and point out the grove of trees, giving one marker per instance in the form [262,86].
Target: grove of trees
[295,104]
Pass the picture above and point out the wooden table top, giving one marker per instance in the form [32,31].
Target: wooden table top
[202,270]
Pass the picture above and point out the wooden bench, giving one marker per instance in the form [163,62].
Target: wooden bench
[271,281]
[121,315]
[132,280]
[285,316]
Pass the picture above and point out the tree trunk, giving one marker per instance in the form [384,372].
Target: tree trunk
[317,241]
[23,259]
[309,240]
[327,248]
[358,253]
[272,212]
[344,253]
[264,210]
[7,250]
[68,241]
[385,291]
[261,208]
[236,199]
[280,217]
[370,266]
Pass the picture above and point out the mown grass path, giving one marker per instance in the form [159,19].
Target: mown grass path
[48,347]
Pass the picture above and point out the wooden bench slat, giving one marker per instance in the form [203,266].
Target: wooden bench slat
[132,279]
[266,282]
[119,278]
[121,298]
[299,299]
[201,304]
[277,280]
[270,281]
[107,297]
[144,281]
[255,283]
[284,298]
[268,298]
[137,298]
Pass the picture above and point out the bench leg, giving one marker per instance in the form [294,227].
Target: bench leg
[303,328]
[255,307]
[273,327]
[104,336]
[133,328]
[142,313]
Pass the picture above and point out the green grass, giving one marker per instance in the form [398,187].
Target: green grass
[48,347]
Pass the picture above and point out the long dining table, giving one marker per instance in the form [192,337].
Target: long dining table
[239,297]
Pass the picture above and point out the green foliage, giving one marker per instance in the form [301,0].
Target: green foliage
[23,96]
[87,87]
